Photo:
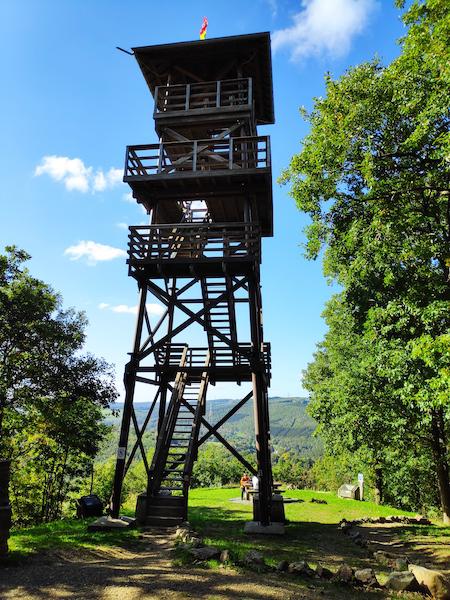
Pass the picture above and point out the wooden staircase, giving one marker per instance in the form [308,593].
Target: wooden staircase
[221,316]
[176,450]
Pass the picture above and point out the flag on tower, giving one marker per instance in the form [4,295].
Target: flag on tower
[204,28]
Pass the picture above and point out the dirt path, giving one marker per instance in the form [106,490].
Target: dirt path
[138,573]
[428,551]
[143,570]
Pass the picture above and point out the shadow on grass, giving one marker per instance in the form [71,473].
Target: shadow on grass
[311,541]
[135,569]
[71,534]
[423,544]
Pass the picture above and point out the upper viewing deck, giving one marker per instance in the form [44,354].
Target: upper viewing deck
[210,169]
[198,107]
[231,59]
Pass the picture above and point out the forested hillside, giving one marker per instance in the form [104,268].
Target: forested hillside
[291,426]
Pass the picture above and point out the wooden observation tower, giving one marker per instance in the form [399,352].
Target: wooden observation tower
[207,186]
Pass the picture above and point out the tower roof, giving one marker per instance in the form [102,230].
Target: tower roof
[213,59]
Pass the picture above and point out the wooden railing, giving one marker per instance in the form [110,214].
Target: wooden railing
[169,158]
[224,357]
[187,241]
[204,95]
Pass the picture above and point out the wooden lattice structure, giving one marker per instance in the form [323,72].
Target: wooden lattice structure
[207,186]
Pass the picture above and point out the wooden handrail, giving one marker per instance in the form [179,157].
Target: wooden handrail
[249,152]
[184,97]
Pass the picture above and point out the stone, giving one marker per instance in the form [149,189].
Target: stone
[282,566]
[300,568]
[195,542]
[254,558]
[345,526]
[205,553]
[344,574]
[383,558]
[106,523]
[366,577]
[225,556]
[323,572]
[400,564]
[436,583]
[402,581]
[361,542]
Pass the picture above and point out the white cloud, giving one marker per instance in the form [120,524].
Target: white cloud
[128,197]
[152,308]
[324,27]
[122,225]
[75,175]
[93,252]
[273,5]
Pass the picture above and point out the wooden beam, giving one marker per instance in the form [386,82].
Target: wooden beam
[224,419]
[224,442]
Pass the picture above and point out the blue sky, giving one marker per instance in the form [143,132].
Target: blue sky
[67,93]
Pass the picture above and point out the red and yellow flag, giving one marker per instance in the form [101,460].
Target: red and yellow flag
[204,28]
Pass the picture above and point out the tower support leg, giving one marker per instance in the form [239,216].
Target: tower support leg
[130,383]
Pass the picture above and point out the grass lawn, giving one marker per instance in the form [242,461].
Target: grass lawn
[67,534]
[311,534]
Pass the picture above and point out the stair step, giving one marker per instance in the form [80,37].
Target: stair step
[166,511]
[160,521]
[164,500]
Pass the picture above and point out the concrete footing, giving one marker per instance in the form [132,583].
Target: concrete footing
[255,527]
[106,523]
[276,510]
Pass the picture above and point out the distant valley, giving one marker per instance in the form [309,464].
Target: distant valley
[291,426]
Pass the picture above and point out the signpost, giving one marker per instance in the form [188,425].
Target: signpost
[361,485]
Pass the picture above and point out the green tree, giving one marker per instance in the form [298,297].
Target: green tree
[373,175]
[51,395]
[215,467]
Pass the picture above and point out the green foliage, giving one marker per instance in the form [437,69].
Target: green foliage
[290,469]
[51,395]
[373,175]
[216,467]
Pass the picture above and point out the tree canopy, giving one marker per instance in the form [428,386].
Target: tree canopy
[373,175]
[51,395]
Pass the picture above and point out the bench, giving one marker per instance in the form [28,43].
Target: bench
[249,491]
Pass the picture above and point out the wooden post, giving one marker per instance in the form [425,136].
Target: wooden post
[260,405]
[130,383]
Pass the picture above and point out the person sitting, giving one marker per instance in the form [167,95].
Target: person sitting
[244,483]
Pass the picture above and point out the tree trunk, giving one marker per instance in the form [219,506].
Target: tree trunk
[378,485]
[440,458]
[2,437]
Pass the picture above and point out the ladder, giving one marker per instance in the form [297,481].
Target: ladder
[222,316]
[176,449]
